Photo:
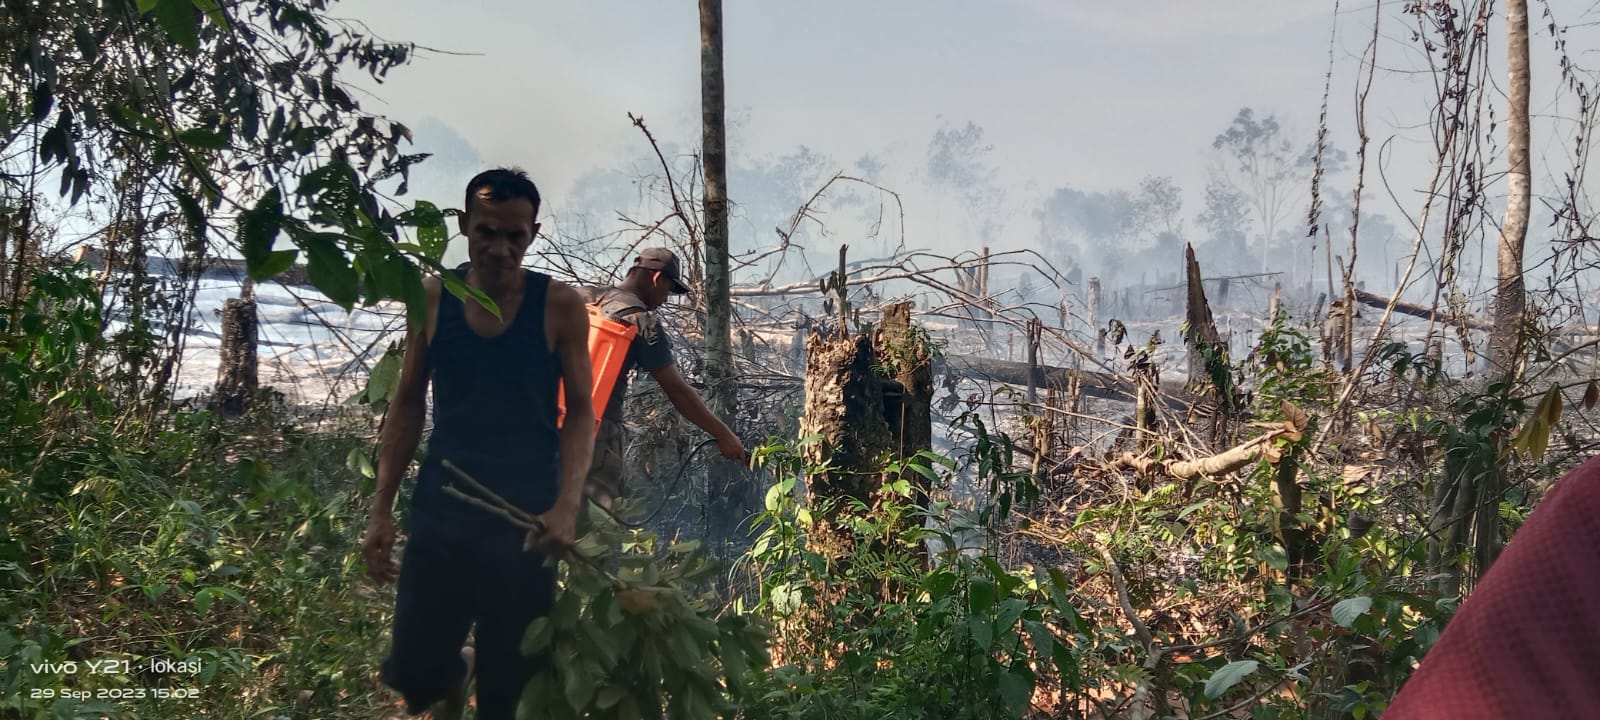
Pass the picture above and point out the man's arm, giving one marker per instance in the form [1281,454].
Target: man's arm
[568,319]
[402,432]
[689,403]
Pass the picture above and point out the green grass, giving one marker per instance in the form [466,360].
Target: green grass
[234,551]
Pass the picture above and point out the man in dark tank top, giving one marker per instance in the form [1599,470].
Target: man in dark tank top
[495,384]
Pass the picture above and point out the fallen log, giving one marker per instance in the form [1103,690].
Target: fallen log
[1415,310]
[1094,384]
[1230,460]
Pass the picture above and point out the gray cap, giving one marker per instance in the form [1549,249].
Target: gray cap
[660,258]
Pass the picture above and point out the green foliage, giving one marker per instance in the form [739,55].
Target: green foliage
[875,633]
[1284,367]
[631,639]
[174,94]
[166,552]
[869,627]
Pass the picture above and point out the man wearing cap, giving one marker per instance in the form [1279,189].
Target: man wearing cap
[654,278]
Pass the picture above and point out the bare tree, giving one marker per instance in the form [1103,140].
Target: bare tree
[1265,169]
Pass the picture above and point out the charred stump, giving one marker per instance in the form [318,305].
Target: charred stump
[844,407]
[1209,371]
[237,379]
[909,356]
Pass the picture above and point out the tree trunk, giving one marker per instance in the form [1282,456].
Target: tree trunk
[1510,299]
[844,408]
[719,360]
[727,486]
[237,380]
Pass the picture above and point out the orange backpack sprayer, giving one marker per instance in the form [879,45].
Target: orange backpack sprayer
[608,348]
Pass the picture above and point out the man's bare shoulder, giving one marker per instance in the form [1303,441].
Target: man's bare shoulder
[566,299]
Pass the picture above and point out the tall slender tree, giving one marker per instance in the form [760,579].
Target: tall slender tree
[719,359]
[1510,300]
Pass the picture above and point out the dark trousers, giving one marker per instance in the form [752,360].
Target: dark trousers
[447,583]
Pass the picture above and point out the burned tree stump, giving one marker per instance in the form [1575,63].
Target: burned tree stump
[911,358]
[237,380]
[908,355]
[844,407]
[1202,336]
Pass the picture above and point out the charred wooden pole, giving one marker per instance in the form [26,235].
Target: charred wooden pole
[1035,335]
[983,284]
[1094,317]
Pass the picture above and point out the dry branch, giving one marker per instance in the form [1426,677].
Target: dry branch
[1218,278]
[1416,310]
[1230,460]
[1095,384]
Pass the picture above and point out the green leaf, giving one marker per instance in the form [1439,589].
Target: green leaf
[433,233]
[204,139]
[385,378]
[980,598]
[939,584]
[1067,667]
[147,5]
[608,696]
[463,291]
[414,295]
[578,688]
[1015,691]
[202,601]
[538,693]
[538,636]
[182,23]
[1010,610]
[1346,611]
[981,629]
[330,271]
[132,121]
[357,461]
[733,665]
[258,228]
[228,593]
[1196,506]
[277,262]
[1228,676]
[924,471]
[213,11]
[1006,581]
[193,214]
[1044,641]
[1274,556]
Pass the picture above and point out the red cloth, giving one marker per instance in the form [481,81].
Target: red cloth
[1526,642]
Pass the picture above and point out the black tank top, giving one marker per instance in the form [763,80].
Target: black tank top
[494,410]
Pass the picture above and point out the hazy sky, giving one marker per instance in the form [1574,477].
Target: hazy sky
[1085,93]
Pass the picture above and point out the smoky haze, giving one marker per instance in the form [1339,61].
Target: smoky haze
[1104,137]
